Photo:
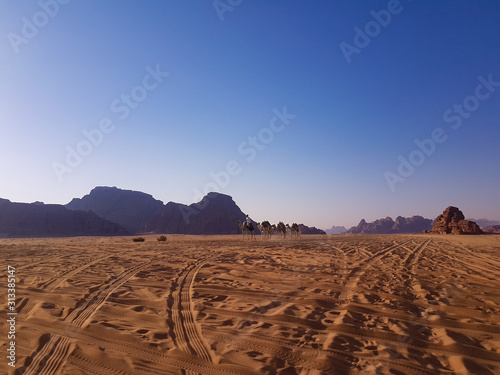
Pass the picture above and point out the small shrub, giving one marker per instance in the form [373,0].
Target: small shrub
[139,239]
[162,238]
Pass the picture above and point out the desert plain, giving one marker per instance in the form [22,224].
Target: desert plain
[337,304]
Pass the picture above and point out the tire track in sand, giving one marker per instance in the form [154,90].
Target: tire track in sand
[162,360]
[409,263]
[360,269]
[186,333]
[354,276]
[51,358]
[53,354]
[413,256]
[29,305]
[58,281]
[82,314]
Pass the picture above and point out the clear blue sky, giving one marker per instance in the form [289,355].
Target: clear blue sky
[66,68]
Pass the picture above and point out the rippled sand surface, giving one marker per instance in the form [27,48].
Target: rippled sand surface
[346,304]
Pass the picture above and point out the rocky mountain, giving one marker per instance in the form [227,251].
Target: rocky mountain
[415,224]
[452,220]
[215,214]
[483,223]
[492,229]
[133,210]
[380,226]
[52,220]
[113,211]
[140,213]
[304,229]
[336,230]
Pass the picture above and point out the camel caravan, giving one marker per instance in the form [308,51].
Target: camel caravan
[267,230]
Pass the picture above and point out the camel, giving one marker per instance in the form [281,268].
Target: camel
[295,230]
[261,229]
[266,230]
[245,230]
[281,229]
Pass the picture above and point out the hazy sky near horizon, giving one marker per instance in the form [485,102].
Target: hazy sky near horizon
[321,112]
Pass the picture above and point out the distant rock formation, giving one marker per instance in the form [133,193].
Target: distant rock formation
[483,223]
[452,220]
[492,229]
[310,230]
[336,230]
[215,214]
[415,224]
[380,226]
[131,209]
[109,210]
[52,220]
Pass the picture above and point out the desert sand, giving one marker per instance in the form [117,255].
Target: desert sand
[341,304]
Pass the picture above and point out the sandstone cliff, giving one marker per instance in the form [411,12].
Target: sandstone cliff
[414,224]
[310,230]
[336,230]
[131,209]
[215,214]
[52,220]
[492,229]
[452,220]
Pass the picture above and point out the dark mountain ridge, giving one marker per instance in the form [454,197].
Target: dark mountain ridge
[138,212]
[52,220]
[113,211]
[414,224]
[215,214]
[304,229]
[483,223]
[336,230]
[131,209]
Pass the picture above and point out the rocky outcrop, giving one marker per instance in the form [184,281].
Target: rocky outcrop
[336,230]
[131,209]
[134,212]
[359,228]
[52,220]
[215,214]
[492,229]
[415,224]
[452,221]
[304,229]
[484,223]
[380,226]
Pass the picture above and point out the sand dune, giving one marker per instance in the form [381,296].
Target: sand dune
[348,304]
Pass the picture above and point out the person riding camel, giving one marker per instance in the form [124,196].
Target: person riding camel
[249,223]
